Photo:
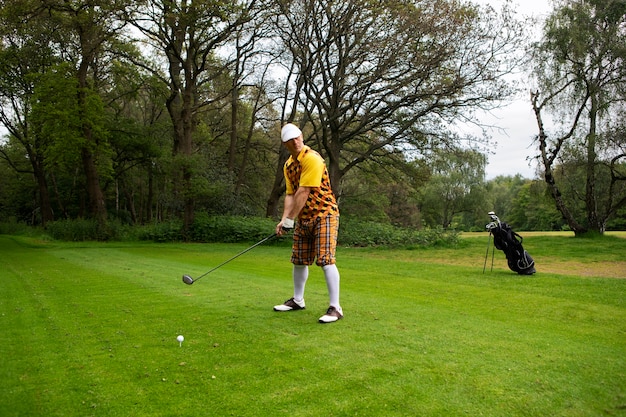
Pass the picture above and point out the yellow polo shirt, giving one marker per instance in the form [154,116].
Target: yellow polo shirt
[309,170]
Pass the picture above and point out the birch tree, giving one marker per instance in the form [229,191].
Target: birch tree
[581,71]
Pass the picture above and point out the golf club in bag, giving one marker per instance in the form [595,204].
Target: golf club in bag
[509,242]
[187,279]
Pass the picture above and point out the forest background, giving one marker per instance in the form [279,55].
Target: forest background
[158,111]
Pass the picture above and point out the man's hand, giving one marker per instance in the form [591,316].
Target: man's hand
[285,226]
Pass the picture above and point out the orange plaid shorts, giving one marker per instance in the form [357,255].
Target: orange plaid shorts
[313,239]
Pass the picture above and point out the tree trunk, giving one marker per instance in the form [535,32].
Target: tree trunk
[234,103]
[181,114]
[548,174]
[149,216]
[47,214]
[58,197]
[180,106]
[591,204]
[244,157]
[278,189]
[335,174]
[130,200]
[97,205]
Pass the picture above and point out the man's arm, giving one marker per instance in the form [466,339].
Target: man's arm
[293,205]
[297,203]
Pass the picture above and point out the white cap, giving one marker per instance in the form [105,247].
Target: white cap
[289,131]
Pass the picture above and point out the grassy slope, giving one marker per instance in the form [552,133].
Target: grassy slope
[90,329]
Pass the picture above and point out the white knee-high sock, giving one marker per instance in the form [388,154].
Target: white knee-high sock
[331,273]
[300,275]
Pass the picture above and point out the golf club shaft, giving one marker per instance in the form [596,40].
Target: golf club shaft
[493,250]
[236,256]
[487,254]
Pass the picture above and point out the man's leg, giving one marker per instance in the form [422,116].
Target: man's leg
[300,276]
[302,254]
[331,273]
[326,246]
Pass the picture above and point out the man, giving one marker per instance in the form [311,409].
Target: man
[309,199]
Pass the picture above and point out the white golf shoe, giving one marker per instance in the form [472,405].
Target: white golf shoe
[332,314]
[290,305]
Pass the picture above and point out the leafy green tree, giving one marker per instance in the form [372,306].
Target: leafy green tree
[385,191]
[90,26]
[188,34]
[455,186]
[619,221]
[17,191]
[25,53]
[139,138]
[580,68]
[65,51]
[532,208]
[60,118]
[500,194]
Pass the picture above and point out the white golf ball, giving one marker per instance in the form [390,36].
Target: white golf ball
[180,338]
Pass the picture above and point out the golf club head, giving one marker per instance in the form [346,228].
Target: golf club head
[493,216]
[187,279]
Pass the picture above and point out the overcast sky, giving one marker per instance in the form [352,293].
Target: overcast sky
[516,122]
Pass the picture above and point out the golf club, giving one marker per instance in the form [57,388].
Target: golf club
[187,279]
[487,253]
[494,217]
[495,223]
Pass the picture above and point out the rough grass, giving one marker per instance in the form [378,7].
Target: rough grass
[90,330]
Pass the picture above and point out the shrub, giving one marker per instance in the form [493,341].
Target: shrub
[235,229]
[205,228]
[171,231]
[73,230]
[230,229]
[13,227]
[78,230]
[355,233]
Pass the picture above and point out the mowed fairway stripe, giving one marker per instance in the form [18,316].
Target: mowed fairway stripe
[82,324]
[91,325]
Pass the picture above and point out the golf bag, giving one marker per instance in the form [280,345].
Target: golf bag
[509,242]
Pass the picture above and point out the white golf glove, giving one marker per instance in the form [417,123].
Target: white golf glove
[288,224]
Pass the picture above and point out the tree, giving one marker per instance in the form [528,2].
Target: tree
[370,76]
[386,192]
[139,137]
[502,190]
[581,72]
[251,94]
[61,56]
[188,34]
[24,54]
[61,119]
[455,186]
[532,208]
[90,25]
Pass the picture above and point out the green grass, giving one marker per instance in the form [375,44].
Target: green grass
[89,329]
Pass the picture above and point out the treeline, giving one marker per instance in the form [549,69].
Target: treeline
[383,214]
[152,112]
